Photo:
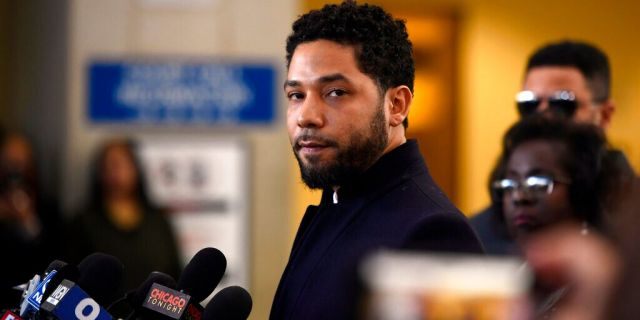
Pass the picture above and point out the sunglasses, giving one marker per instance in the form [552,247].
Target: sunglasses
[535,185]
[562,103]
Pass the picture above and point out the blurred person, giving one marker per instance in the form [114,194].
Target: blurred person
[551,172]
[30,225]
[566,79]
[121,220]
[349,88]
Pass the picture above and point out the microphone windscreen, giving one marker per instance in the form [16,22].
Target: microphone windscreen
[203,273]
[67,272]
[101,277]
[231,303]
[140,294]
[55,265]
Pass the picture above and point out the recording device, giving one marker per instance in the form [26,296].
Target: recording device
[101,277]
[31,303]
[167,302]
[231,303]
[8,315]
[200,276]
[129,306]
[68,301]
[29,288]
[33,290]
[79,292]
[203,273]
[66,272]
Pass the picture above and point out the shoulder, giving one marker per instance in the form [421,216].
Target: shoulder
[445,231]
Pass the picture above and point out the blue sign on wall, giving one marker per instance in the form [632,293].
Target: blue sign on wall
[181,93]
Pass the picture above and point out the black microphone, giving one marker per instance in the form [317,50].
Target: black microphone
[32,296]
[67,272]
[231,303]
[202,274]
[137,298]
[128,306]
[101,277]
[69,302]
[55,265]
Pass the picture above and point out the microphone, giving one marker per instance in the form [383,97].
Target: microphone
[67,272]
[127,306]
[231,303]
[101,277]
[55,265]
[162,302]
[32,296]
[8,315]
[29,288]
[98,279]
[203,273]
[198,279]
[69,302]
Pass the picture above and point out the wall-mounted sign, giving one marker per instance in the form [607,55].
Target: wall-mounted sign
[152,92]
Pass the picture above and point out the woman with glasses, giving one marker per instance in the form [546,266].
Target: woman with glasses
[552,171]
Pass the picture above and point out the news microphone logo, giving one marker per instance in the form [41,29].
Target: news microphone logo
[68,301]
[35,299]
[8,315]
[60,292]
[169,302]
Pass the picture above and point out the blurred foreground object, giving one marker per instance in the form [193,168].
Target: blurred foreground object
[406,285]
[586,265]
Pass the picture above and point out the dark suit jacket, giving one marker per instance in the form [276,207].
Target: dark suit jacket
[395,204]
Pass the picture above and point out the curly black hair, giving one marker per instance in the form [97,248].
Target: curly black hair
[592,63]
[584,155]
[383,49]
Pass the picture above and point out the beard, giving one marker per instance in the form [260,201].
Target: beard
[361,151]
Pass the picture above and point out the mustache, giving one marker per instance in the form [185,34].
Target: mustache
[309,136]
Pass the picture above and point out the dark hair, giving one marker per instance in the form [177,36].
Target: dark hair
[583,155]
[592,63]
[97,200]
[383,49]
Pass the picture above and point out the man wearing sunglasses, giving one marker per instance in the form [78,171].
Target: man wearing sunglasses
[566,79]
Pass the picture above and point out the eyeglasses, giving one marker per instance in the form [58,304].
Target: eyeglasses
[561,103]
[536,185]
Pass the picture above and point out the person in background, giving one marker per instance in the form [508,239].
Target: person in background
[569,80]
[552,172]
[602,271]
[349,88]
[121,220]
[29,224]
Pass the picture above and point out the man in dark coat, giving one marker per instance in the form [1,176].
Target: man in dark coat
[349,88]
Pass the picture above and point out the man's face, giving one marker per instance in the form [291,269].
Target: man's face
[545,81]
[335,117]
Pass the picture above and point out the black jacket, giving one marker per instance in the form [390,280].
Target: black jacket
[395,204]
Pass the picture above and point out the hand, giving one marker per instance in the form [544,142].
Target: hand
[587,265]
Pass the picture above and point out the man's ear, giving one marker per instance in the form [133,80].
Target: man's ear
[606,113]
[401,98]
